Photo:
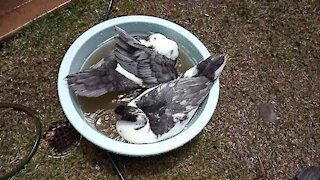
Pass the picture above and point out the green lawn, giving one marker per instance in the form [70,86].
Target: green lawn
[274,49]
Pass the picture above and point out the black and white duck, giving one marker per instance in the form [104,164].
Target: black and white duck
[136,61]
[163,111]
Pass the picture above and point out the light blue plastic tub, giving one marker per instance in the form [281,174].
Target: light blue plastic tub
[90,40]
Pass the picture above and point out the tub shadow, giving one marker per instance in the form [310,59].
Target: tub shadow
[136,166]
[148,166]
[97,158]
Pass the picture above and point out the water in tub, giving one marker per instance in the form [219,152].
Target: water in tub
[99,111]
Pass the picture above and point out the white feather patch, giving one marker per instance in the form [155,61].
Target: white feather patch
[144,42]
[162,45]
[191,72]
[129,75]
[128,132]
[179,125]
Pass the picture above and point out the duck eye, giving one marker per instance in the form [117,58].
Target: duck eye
[154,38]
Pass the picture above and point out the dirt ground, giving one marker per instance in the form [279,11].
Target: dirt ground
[274,50]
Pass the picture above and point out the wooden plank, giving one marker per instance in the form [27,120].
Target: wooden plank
[21,15]
[10,5]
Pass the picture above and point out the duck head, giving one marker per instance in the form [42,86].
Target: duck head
[163,45]
[132,123]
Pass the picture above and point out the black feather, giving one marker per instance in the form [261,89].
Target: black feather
[125,113]
[101,80]
[209,66]
[145,63]
[135,58]
[164,101]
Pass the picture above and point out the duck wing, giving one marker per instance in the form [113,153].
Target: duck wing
[143,62]
[99,79]
[174,102]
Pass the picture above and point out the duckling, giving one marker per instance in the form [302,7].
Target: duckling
[163,111]
[135,62]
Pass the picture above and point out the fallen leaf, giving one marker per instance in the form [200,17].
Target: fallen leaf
[267,113]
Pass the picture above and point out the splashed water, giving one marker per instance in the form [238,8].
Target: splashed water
[104,119]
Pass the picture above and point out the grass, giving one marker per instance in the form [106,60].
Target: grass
[16,138]
[274,57]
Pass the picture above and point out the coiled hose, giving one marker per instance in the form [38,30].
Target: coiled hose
[36,142]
